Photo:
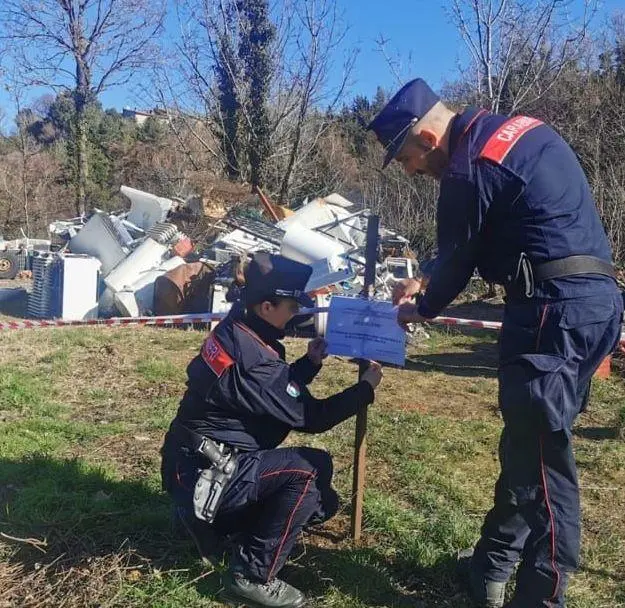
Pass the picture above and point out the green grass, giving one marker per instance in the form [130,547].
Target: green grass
[83,413]
[21,391]
[155,369]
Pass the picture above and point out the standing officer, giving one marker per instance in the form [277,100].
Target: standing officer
[220,461]
[514,202]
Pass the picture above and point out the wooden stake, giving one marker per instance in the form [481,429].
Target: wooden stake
[267,206]
[360,444]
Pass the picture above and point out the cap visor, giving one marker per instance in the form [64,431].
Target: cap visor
[394,149]
[305,301]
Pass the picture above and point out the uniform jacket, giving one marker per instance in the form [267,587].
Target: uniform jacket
[535,200]
[240,391]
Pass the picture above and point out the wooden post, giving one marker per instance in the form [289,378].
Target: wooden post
[360,445]
[267,206]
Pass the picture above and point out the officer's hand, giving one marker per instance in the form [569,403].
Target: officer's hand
[373,374]
[405,290]
[317,350]
[408,313]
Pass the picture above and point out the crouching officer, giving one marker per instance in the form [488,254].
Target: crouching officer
[220,461]
[515,203]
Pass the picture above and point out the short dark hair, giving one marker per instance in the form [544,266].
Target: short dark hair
[273,300]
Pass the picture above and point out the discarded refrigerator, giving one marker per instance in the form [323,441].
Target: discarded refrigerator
[77,290]
[65,286]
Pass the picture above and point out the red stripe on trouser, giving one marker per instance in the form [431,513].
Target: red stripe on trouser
[542,323]
[552,521]
[179,480]
[273,473]
[293,511]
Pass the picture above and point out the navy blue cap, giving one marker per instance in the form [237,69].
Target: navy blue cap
[270,276]
[410,104]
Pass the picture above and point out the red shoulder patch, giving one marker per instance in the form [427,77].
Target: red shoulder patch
[215,356]
[506,136]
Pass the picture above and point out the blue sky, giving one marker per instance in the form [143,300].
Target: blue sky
[419,34]
[416,30]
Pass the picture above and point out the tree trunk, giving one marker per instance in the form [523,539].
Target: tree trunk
[25,186]
[82,164]
[303,111]
[82,96]
[23,139]
[286,180]
[232,144]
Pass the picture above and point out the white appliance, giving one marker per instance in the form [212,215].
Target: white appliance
[100,238]
[217,302]
[147,256]
[304,245]
[78,287]
[138,299]
[329,271]
[146,209]
[320,212]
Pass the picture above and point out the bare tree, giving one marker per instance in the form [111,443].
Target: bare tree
[23,149]
[319,34]
[206,91]
[29,174]
[83,46]
[217,86]
[519,48]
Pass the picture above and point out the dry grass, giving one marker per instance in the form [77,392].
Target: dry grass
[83,415]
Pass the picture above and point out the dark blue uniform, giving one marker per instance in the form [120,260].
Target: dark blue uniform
[243,394]
[509,192]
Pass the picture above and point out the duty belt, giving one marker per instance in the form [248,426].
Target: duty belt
[527,274]
[212,482]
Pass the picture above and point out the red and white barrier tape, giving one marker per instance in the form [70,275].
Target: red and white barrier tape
[468,323]
[113,322]
[483,324]
[207,318]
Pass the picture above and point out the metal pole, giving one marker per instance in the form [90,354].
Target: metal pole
[360,444]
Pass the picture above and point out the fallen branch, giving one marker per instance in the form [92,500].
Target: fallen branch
[34,542]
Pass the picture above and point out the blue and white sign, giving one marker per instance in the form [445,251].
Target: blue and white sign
[366,329]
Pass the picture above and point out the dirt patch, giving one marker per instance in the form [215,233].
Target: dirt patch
[449,404]
[135,454]
[64,581]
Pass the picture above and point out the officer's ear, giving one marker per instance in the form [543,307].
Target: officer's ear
[264,308]
[428,139]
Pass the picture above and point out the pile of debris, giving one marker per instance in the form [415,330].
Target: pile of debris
[139,262]
[328,233]
[107,264]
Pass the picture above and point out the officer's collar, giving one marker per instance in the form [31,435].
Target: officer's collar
[265,331]
[460,127]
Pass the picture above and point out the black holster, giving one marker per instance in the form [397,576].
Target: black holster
[221,466]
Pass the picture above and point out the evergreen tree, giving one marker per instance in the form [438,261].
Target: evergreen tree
[227,76]
[255,42]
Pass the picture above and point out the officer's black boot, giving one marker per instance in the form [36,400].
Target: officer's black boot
[240,590]
[210,545]
[484,593]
